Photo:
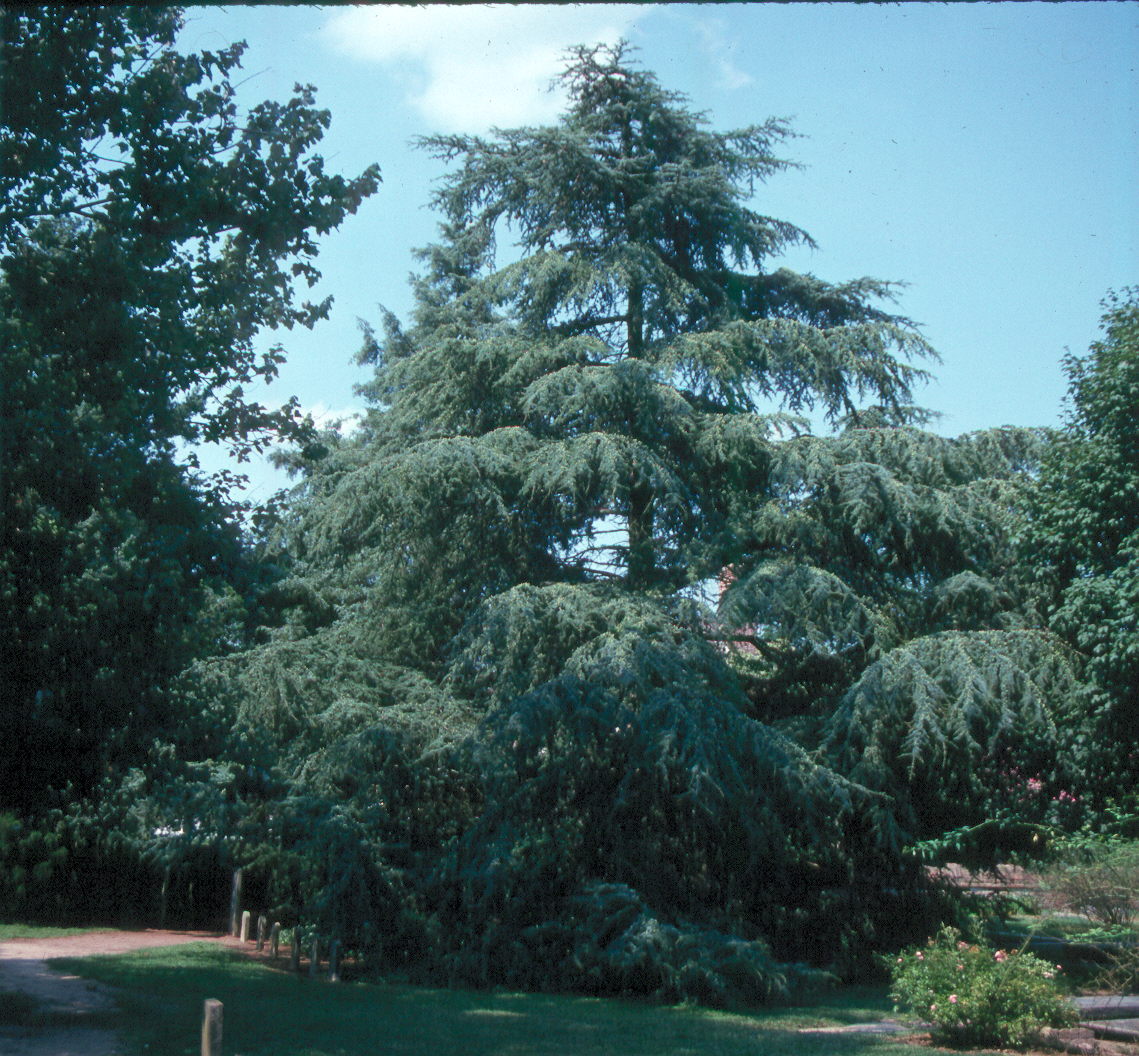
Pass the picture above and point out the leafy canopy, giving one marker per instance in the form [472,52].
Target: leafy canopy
[148,231]
[1083,534]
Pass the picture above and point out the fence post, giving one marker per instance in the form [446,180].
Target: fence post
[245,926]
[262,927]
[314,961]
[275,940]
[211,1027]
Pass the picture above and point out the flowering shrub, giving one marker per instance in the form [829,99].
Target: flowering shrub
[973,995]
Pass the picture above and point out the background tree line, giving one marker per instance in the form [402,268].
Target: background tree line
[585,663]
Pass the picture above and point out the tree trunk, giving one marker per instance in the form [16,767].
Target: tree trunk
[235,904]
[642,550]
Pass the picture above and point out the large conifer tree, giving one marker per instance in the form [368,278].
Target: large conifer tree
[643,339]
[501,580]
[559,454]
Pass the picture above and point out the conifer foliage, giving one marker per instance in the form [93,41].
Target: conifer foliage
[574,770]
[560,455]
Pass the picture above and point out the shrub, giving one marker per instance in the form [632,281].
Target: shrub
[975,996]
[1100,883]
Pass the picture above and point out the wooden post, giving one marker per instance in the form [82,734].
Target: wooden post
[334,961]
[262,927]
[211,1027]
[295,952]
[314,960]
[275,940]
[245,926]
[235,903]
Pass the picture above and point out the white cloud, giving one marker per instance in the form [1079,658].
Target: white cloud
[720,48]
[473,66]
[345,420]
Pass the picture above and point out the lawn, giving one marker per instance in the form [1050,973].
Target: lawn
[39,931]
[273,1013]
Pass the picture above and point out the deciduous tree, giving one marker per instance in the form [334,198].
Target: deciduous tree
[1084,533]
[149,229]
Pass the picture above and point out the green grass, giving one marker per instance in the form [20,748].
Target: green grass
[273,1013]
[17,1009]
[39,931]
[1057,925]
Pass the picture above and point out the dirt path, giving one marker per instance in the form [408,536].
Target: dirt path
[68,1000]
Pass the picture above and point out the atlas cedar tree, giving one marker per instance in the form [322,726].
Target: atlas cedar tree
[497,732]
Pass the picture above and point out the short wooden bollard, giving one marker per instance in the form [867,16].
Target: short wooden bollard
[295,952]
[211,1027]
[245,926]
[275,940]
[314,960]
[262,927]
[334,961]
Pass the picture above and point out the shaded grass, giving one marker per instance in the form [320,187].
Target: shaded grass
[1060,925]
[39,931]
[17,1009]
[274,1013]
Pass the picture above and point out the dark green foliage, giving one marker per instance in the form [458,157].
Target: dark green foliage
[148,231]
[1084,530]
[561,452]
[863,542]
[608,941]
[880,609]
[635,765]
[544,759]
[967,727]
[83,866]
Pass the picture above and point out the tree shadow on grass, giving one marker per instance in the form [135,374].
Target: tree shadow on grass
[279,1014]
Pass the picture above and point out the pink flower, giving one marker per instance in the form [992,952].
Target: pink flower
[1000,955]
[920,956]
[961,967]
[962,945]
[1049,975]
[953,999]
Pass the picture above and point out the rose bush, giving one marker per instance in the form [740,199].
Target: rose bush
[973,995]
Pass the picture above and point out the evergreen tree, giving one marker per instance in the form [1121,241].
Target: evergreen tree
[639,337]
[865,541]
[551,761]
[558,460]
[621,388]
[880,610]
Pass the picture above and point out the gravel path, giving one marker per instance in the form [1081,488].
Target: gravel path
[69,999]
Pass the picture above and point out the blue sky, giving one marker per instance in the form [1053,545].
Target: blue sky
[985,154]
